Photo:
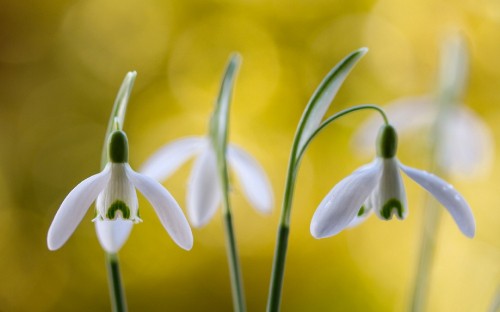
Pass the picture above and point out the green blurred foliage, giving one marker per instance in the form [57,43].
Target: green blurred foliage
[61,63]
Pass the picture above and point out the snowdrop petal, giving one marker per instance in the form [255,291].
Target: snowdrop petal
[171,156]
[252,177]
[165,206]
[74,207]
[391,198]
[466,148]
[447,196]
[113,234]
[344,201]
[203,194]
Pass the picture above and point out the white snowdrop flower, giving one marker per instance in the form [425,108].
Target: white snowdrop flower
[117,207]
[204,194]
[378,187]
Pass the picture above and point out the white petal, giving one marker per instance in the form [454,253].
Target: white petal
[203,195]
[407,115]
[112,234]
[252,177]
[466,147]
[166,208]
[74,207]
[119,188]
[391,196]
[343,202]
[171,156]
[447,196]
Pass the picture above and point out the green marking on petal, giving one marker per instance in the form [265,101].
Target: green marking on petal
[392,204]
[118,206]
[361,211]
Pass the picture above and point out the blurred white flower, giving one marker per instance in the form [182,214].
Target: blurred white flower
[117,209]
[204,192]
[378,187]
[465,143]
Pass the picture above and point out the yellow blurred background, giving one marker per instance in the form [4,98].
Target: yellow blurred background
[62,62]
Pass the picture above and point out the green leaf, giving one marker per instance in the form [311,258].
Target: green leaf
[220,118]
[323,96]
[117,117]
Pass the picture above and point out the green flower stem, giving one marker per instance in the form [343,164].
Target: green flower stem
[118,301]
[278,271]
[234,264]
[218,132]
[232,250]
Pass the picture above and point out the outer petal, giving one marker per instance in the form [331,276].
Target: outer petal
[166,208]
[74,207]
[203,190]
[112,234]
[252,177]
[343,202]
[447,196]
[171,156]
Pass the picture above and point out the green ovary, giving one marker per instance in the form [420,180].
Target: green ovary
[118,205]
[392,204]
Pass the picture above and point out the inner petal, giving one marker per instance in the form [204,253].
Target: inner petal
[118,199]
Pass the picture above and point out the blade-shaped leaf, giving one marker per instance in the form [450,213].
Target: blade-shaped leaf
[119,110]
[323,96]
[220,117]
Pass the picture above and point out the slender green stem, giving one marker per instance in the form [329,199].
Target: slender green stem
[278,271]
[218,130]
[232,250]
[118,301]
[234,265]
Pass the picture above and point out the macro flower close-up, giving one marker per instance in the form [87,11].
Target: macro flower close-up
[378,187]
[117,208]
[243,131]
[204,195]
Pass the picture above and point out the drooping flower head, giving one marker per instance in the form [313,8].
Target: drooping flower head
[209,178]
[378,187]
[117,207]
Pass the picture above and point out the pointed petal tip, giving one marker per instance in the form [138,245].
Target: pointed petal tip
[188,244]
[196,220]
[315,232]
[320,229]
[51,244]
[470,231]
[451,199]
[113,234]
